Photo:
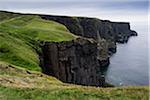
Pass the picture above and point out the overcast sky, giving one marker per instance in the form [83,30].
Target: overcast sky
[134,11]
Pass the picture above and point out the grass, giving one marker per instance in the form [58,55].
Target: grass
[7,15]
[19,84]
[20,38]
[36,28]
[17,52]
[8,93]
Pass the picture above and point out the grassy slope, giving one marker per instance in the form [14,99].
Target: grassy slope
[20,37]
[20,84]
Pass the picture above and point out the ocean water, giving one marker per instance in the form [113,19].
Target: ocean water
[129,66]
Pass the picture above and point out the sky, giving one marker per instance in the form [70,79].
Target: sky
[133,11]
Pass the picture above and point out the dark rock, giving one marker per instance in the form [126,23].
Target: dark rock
[73,61]
[112,32]
[79,54]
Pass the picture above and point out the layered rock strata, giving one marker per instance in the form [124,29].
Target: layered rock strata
[73,61]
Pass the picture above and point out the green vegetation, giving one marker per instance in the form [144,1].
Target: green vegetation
[33,27]
[7,15]
[8,93]
[20,38]
[20,84]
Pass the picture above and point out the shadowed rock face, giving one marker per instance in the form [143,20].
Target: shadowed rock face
[73,61]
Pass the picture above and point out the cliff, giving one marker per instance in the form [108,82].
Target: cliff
[112,32]
[63,55]
[73,61]
[74,51]
[83,69]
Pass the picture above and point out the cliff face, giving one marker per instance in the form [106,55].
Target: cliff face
[112,32]
[73,61]
[81,62]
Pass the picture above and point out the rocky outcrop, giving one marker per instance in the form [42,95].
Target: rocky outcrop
[73,61]
[112,32]
[80,61]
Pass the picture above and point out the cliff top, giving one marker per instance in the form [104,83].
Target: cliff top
[20,37]
[82,17]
